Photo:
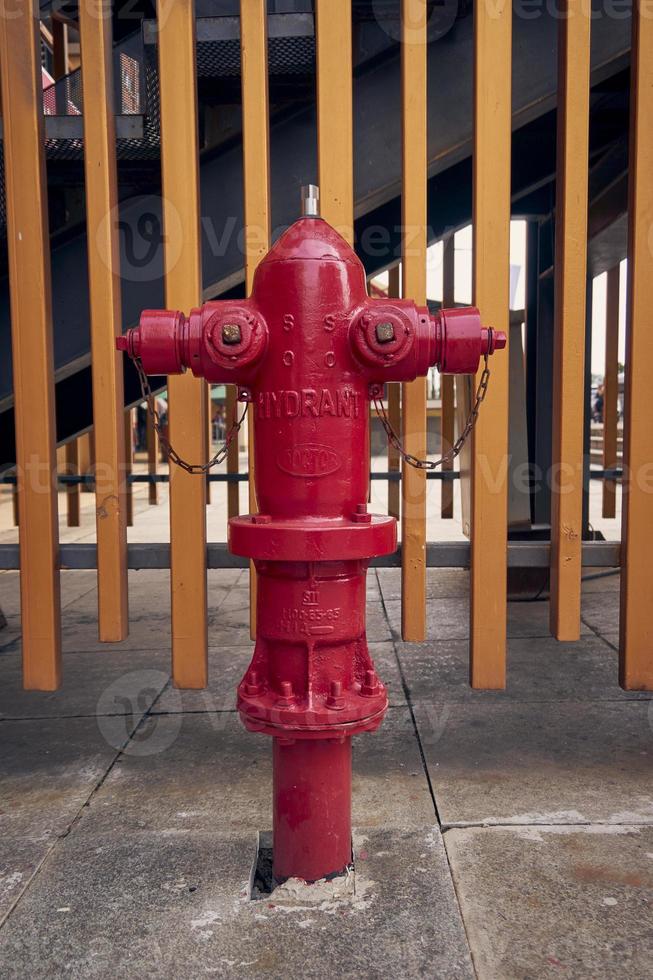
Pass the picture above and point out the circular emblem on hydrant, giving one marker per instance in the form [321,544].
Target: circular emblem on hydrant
[308,460]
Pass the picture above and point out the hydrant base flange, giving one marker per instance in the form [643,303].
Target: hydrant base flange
[338,539]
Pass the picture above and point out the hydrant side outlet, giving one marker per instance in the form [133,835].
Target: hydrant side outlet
[308,348]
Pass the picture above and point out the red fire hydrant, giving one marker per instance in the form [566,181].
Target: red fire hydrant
[309,349]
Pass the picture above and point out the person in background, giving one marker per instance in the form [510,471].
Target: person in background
[597,414]
[141,428]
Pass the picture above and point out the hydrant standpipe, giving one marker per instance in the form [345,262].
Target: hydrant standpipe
[309,349]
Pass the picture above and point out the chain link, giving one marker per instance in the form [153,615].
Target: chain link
[164,442]
[429,464]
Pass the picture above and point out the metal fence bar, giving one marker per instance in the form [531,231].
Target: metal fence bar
[60,66]
[186,394]
[335,114]
[233,506]
[439,554]
[31,333]
[209,440]
[489,450]
[112,496]
[610,392]
[128,428]
[86,453]
[394,413]
[152,446]
[413,394]
[256,180]
[447,418]
[569,329]
[636,624]
[72,489]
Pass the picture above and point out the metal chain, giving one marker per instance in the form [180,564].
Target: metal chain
[428,464]
[164,442]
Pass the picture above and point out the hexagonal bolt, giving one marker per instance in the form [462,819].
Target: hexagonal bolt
[335,699]
[286,697]
[385,332]
[253,684]
[231,333]
[370,686]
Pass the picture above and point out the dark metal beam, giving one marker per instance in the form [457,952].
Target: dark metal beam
[445,554]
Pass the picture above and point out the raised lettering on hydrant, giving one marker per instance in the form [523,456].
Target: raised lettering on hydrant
[309,349]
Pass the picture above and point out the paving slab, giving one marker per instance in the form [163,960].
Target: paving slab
[556,901]
[377,626]
[10,638]
[601,580]
[449,583]
[448,619]
[176,904]
[539,669]
[19,860]
[228,664]
[94,683]
[441,583]
[74,582]
[547,762]
[48,769]
[612,639]
[600,611]
[389,786]
[149,613]
[187,772]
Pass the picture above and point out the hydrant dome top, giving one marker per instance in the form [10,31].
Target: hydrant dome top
[312,239]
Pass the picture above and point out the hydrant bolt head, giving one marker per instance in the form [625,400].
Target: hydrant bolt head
[370,686]
[385,332]
[335,699]
[286,698]
[231,333]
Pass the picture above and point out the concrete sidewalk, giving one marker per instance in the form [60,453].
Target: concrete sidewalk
[498,835]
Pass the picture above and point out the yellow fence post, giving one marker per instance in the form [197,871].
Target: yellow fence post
[570,326]
[611,391]
[636,625]
[106,316]
[489,450]
[447,416]
[335,140]
[183,289]
[31,333]
[394,413]
[256,181]
[413,395]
